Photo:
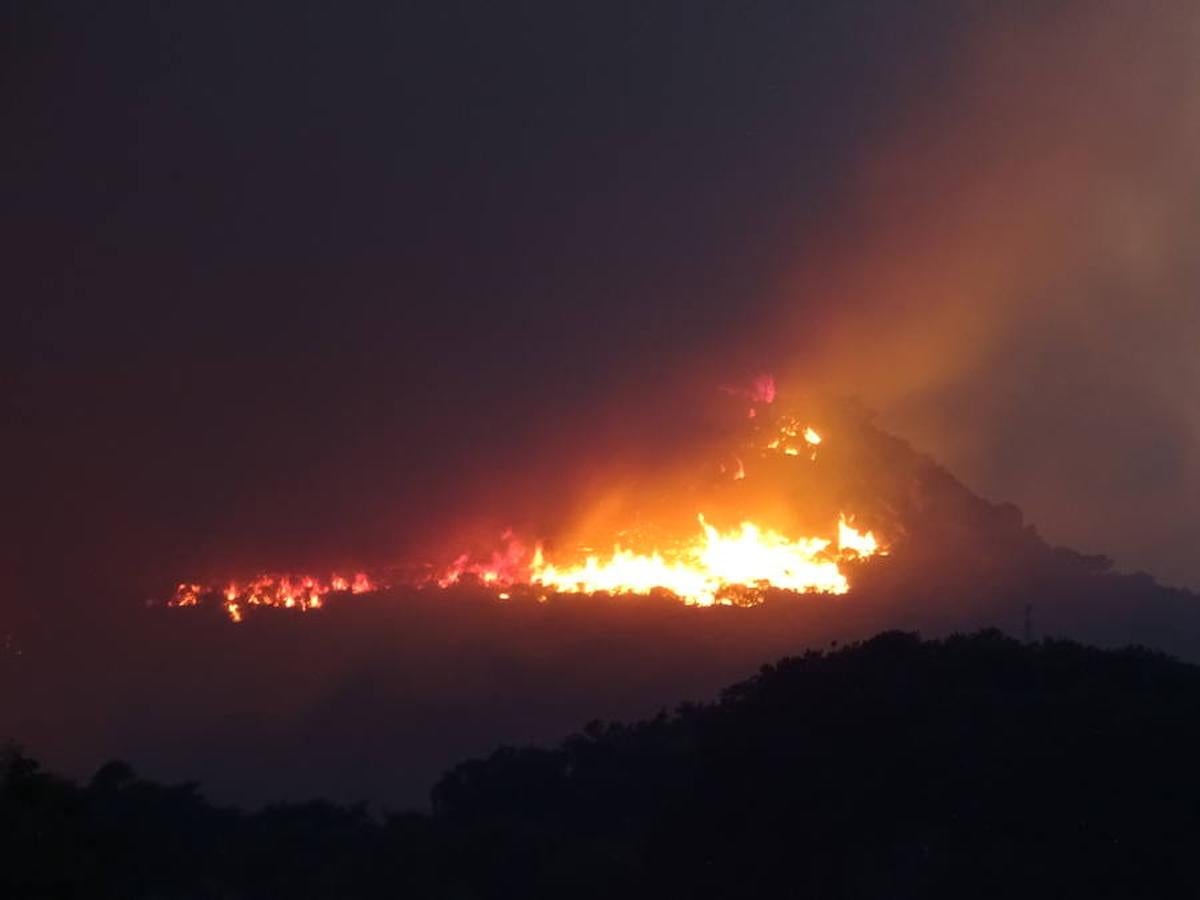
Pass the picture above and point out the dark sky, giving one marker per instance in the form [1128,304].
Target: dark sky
[304,283]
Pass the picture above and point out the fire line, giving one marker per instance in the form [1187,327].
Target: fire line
[711,566]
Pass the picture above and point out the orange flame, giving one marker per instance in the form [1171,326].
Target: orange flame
[791,436]
[303,592]
[858,543]
[708,567]
[713,567]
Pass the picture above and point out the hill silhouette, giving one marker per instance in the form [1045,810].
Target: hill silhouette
[369,697]
[896,767]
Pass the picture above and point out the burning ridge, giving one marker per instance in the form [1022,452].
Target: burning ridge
[725,541]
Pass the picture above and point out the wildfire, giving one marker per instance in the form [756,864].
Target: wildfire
[858,543]
[301,592]
[706,568]
[793,439]
[735,566]
[715,567]
[703,567]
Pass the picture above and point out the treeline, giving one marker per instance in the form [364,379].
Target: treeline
[974,766]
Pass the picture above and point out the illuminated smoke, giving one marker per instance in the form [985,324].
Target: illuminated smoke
[734,563]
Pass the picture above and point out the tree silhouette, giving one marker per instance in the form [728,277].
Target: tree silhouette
[976,765]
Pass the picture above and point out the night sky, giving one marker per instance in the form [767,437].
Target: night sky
[287,274]
[296,281]
[310,284]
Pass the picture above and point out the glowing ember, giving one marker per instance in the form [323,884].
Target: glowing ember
[187,594]
[792,439]
[302,592]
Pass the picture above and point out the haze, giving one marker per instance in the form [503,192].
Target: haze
[298,285]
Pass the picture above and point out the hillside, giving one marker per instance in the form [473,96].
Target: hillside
[973,766]
[369,697]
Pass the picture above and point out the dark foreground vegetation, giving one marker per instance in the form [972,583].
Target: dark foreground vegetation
[970,767]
